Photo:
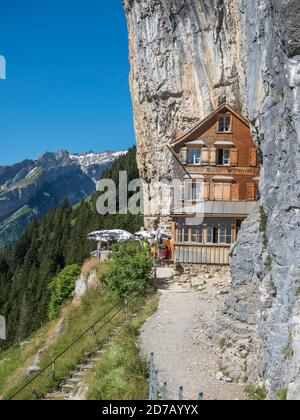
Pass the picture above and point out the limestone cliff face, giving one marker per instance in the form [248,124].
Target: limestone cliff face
[272,92]
[186,58]
[185,61]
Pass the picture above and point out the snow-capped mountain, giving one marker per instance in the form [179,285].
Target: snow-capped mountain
[31,188]
[93,164]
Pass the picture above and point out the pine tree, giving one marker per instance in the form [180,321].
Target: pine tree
[47,247]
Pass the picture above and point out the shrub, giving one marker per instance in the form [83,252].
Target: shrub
[129,270]
[263,220]
[222,343]
[256,394]
[61,287]
[282,394]
[268,263]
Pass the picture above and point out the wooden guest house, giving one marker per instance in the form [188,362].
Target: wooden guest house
[221,167]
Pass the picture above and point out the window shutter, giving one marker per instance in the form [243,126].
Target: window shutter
[206,191]
[188,190]
[218,191]
[226,192]
[235,193]
[234,157]
[251,191]
[253,157]
[212,191]
[205,155]
[213,156]
[184,152]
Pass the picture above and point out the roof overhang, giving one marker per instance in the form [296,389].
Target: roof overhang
[192,176]
[198,142]
[222,178]
[224,143]
[223,108]
[217,209]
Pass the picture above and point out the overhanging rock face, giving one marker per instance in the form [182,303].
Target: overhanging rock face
[186,58]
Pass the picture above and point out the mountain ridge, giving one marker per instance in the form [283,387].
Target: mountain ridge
[30,188]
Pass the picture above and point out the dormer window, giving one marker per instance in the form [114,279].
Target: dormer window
[194,156]
[224,123]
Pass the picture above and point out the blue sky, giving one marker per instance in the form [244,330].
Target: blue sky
[67,78]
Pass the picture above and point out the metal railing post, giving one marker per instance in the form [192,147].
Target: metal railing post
[200,396]
[53,372]
[156,386]
[181,393]
[126,307]
[165,395]
[151,396]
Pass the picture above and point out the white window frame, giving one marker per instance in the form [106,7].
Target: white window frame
[193,190]
[227,162]
[196,161]
[227,234]
[224,117]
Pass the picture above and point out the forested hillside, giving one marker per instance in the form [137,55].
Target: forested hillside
[28,190]
[46,247]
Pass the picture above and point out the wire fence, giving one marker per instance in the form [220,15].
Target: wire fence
[157,392]
[98,326]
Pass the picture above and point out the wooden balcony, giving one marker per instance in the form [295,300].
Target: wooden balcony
[186,253]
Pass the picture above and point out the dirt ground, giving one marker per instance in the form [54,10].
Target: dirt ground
[177,335]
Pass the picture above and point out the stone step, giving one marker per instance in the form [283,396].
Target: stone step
[100,351]
[73,380]
[68,386]
[56,396]
[74,372]
[77,374]
[94,360]
[89,366]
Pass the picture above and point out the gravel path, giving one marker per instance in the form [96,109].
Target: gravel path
[184,355]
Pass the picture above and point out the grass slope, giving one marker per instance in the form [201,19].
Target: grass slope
[124,372]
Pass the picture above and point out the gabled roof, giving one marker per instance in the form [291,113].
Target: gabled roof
[223,108]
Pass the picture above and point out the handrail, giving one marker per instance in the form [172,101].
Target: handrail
[75,341]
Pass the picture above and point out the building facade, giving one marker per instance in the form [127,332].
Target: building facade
[221,168]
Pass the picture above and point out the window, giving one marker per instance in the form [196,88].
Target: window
[224,124]
[194,233]
[193,191]
[212,234]
[194,156]
[224,157]
[186,233]
[180,230]
[222,191]
[225,232]
[197,233]
[219,231]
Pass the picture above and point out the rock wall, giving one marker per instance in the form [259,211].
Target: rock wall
[272,65]
[184,62]
[186,58]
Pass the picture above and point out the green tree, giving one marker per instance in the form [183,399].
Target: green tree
[49,245]
[62,288]
[130,269]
